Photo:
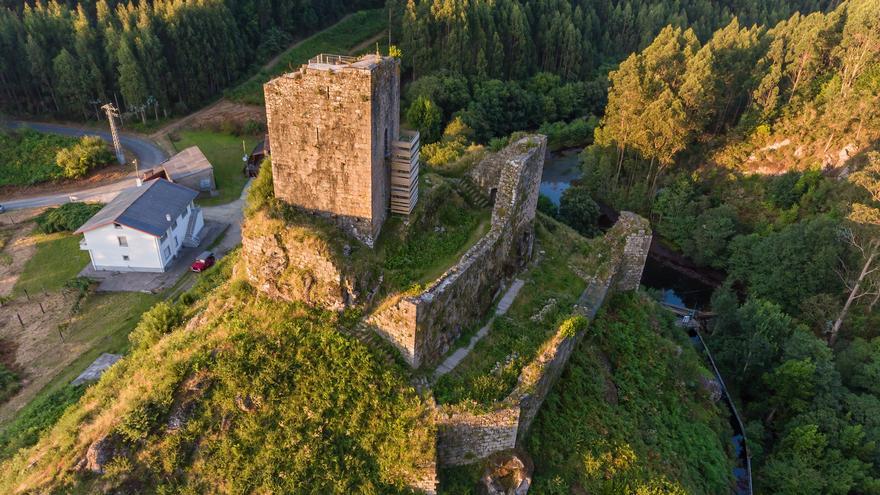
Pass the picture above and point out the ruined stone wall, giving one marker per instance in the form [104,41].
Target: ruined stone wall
[466,437]
[424,326]
[295,264]
[323,124]
[635,253]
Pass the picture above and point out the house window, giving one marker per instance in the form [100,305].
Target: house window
[175,241]
[123,241]
[124,257]
[174,224]
[117,226]
[167,251]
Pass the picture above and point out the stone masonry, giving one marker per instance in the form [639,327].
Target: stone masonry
[331,125]
[424,326]
[464,437]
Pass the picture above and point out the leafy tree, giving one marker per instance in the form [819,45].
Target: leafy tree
[790,265]
[578,210]
[76,161]
[425,116]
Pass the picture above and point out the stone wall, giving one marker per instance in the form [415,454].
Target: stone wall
[328,126]
[465,437]
[424,326]
[638,243]
[296,263]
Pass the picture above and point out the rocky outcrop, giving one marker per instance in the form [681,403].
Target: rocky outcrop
[507,473]
[297,262]
[101,452]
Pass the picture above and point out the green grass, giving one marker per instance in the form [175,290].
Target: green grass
[102,324]
[275,374]
[224,151]
[629,414]
[28,157]
[490,371]
[339,39]
[56,260]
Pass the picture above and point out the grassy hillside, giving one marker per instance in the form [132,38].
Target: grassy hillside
[225,391]
[629,414]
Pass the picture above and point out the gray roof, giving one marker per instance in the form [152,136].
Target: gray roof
[144,208]
[188,162]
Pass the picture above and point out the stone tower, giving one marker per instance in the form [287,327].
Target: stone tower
[333,125]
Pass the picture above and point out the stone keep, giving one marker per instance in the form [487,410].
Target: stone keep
[332,125]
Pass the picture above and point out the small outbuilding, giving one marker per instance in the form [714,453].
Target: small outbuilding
[189,168]
[144,228]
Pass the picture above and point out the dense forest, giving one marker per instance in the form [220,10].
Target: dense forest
[753,152]
[155,57]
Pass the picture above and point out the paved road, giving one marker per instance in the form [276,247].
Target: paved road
[147,153]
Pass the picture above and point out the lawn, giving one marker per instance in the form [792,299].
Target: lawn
[340,38]
[29,157]
[224,151]
[56,260]
[102,325]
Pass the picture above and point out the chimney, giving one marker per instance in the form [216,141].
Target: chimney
[168,217]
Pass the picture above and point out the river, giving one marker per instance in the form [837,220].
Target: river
[679,282]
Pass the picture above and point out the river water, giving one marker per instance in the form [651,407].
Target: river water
[561,170]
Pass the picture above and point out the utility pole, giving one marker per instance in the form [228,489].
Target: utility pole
[112,113]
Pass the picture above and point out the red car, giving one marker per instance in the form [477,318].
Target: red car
[203,262]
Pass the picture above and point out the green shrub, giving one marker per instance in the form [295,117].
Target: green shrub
[262,189]
[29,157]
[573,325]
[66,218]
[9,383]
[155,323]
[78,160]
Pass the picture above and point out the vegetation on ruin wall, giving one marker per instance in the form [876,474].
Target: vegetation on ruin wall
[339,39]
[264,392]
[629,414]
[490,372]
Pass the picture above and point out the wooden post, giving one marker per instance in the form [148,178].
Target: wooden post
[41,307]
[19,319]
[28,296]
[60,334]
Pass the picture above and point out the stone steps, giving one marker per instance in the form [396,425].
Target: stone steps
[471,193]
[365,335]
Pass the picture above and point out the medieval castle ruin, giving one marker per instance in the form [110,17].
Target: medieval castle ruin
[339,154]
[337,147]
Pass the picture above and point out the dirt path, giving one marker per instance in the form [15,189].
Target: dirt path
[16,248]
[368,43]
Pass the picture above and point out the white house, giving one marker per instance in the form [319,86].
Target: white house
[144,228]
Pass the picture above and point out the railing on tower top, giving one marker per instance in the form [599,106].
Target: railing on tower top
[330,59]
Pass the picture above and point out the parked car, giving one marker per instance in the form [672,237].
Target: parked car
[203,262]
[2,209]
